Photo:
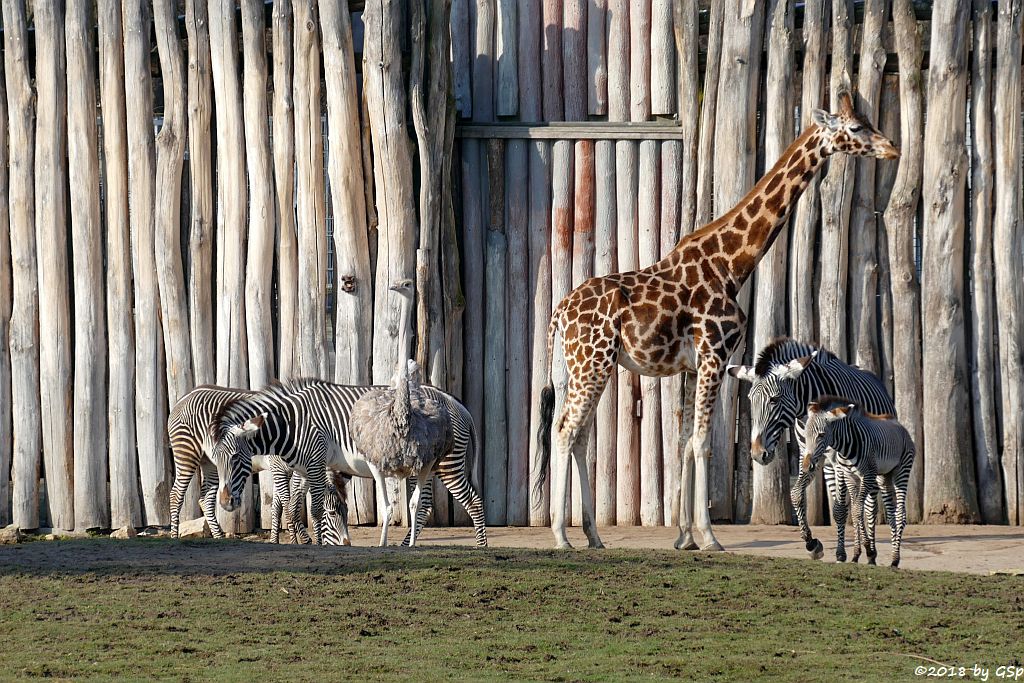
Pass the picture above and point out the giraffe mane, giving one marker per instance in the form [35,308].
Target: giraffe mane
[781,350]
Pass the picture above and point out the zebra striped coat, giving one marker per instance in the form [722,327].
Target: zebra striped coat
[876,449]
[786,377]
[305,422]
[188,431]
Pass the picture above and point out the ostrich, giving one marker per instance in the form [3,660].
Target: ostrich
[399,430]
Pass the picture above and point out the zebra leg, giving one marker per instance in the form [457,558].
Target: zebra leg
[870,498]
[182,477]
[840,510]
[424,475]
[341,493]
[280,475]
[208,497]
[298,486]
[889,500]
[901,522]
[456,480]
[426,506]
[798,496]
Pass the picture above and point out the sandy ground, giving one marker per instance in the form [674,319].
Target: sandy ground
[973,549]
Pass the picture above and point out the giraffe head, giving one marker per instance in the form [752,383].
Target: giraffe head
[850,133]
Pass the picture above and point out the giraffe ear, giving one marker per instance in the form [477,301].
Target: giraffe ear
[845,102]
[824,119]
[743,373]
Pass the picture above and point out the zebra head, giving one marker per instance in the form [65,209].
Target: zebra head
[773,403]
[233,456]
[821,418]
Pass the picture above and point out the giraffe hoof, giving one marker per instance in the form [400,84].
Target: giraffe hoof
[685,542]
[595,545]
[818,551]
[563,545]
[714,546]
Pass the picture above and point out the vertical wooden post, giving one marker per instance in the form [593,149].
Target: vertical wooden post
[663,60]
[1007,244]
[24,333]
[900,215]
[627,385]
[495,282]
[597,57]
[232,365]
[605,262]
[461,50]
[734,156]
[124,469]
[888,121]
[539,192]
[649,247]
[170,157]
[983,358]
[138,107]
[836,198]
[949,490]
[769,498]
[705,150]
[90,429]
[284,190]
[506,57]
[259,260]
[5,313]
[862,316]
[55,369]
[310,200]
[201,187]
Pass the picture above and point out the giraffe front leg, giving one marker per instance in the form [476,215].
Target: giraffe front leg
[709,379]
[685,540]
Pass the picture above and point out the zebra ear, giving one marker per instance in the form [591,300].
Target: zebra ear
[841,411]
[793,368]
[248,429]
[744,373]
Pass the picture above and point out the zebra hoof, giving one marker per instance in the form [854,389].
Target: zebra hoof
[840,557]
[818,551]
[346,541]
[895,564]
[712,547]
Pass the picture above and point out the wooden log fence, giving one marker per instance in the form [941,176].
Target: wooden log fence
[560,139]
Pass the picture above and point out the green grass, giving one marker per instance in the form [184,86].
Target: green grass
[206,610]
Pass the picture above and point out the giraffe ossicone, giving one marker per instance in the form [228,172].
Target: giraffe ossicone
[680,314]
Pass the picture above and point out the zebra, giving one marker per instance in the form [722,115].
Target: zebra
[188,433]
[787,375]
[305,422]
[877,451]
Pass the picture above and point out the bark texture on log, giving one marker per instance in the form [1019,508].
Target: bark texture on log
[949,490]
[123,465]
[495,274]
[5,314]
[90,428]
[1007,245]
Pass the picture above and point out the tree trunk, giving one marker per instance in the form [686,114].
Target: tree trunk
[170,156]
[663,59]
[90,429]
[769,499]
[55,370]
[597,57]
[1007,244]
[983,359]
[311,212]
[284,191]
[495,424]
[506,56]
[949,493]
[735,153]
[705,150]
[123,465]
[862,315]
[836,198]
[5,314]
[201,187]
[353,288]
[232,366]
[900,215]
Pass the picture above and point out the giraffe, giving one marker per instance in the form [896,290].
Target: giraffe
[680,314]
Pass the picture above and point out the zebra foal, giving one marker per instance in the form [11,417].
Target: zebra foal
[876,451]
[786,377]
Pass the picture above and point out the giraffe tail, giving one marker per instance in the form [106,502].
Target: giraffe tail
[547,413]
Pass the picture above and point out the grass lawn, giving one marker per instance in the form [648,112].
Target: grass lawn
[202,610]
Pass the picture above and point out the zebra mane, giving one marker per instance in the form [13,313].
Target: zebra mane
[244,407]
[829,402]
[781,350]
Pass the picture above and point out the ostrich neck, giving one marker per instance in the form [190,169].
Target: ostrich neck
[402,405]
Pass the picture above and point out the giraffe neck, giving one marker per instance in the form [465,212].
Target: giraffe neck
[744,234]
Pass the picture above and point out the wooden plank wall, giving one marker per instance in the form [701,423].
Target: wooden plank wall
[591,135]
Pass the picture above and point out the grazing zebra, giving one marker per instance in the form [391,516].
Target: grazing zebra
[305,422]
[875,450]
[788,375]
[188,430]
